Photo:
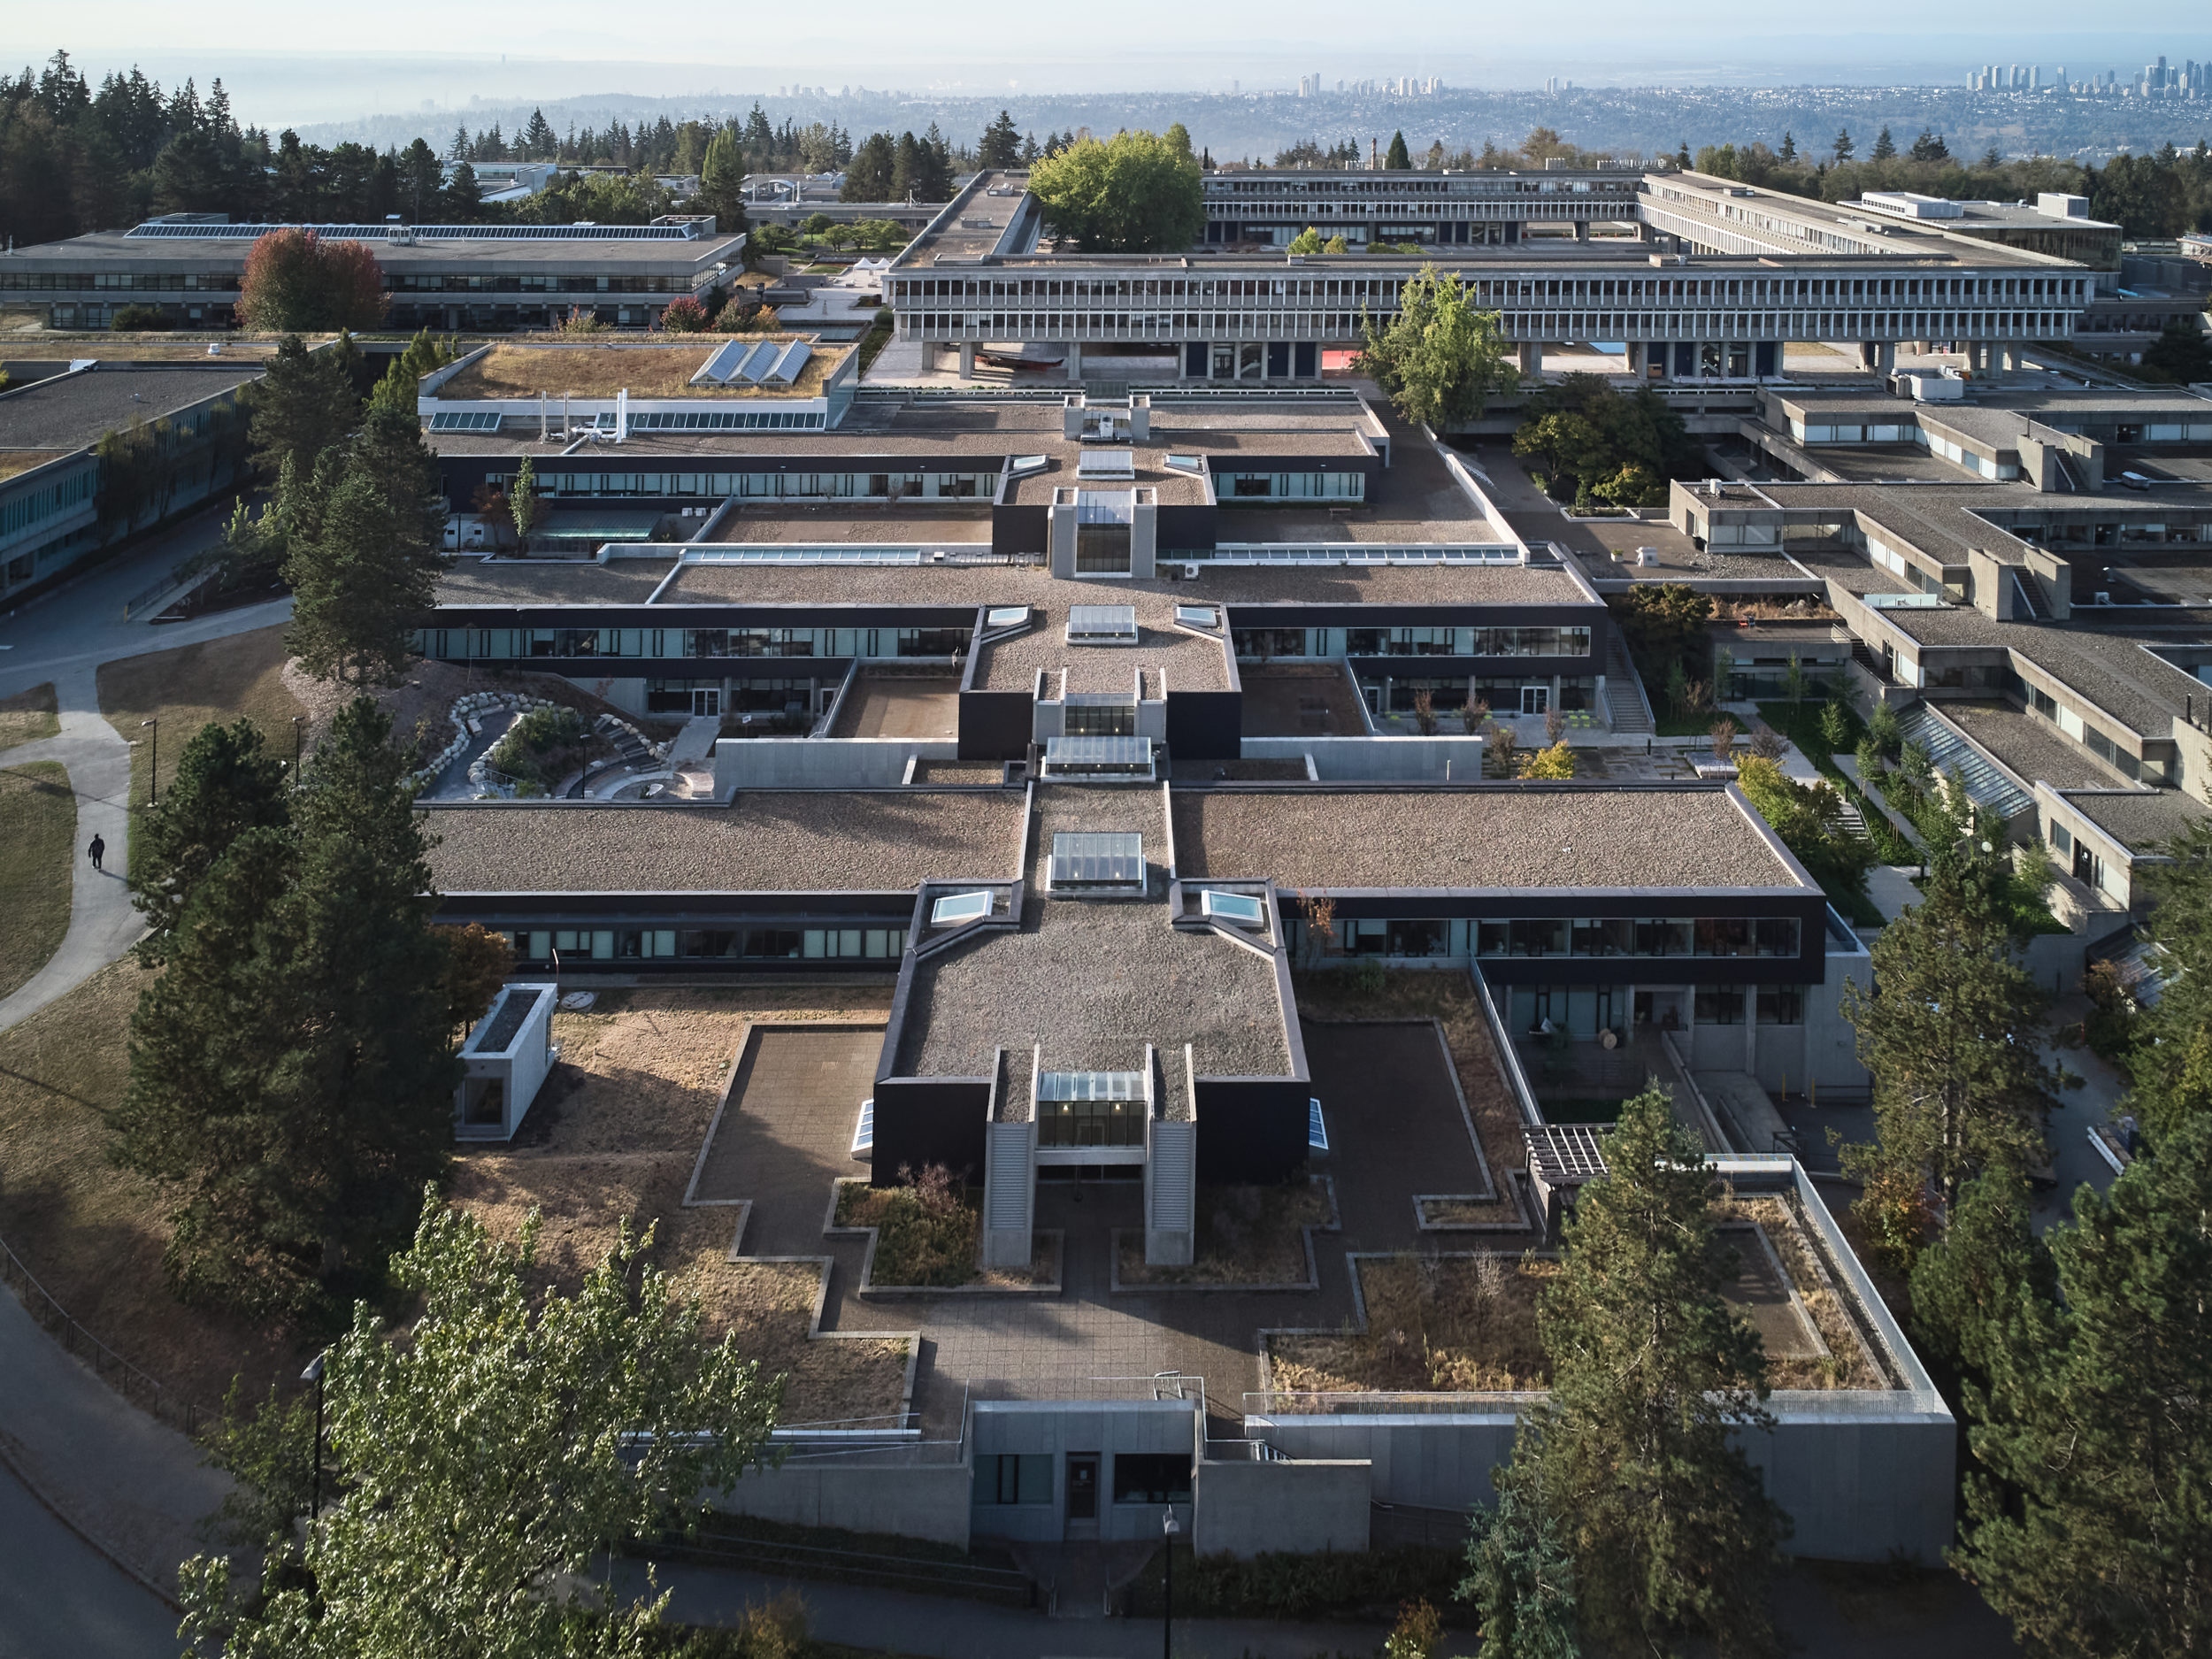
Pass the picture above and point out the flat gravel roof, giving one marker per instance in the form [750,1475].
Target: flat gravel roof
[767,841]
[1485,837]
[68,411]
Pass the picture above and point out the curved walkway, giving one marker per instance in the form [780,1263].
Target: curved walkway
[102,923]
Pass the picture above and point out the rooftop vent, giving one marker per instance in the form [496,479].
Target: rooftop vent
[1090,862]
[1102,625]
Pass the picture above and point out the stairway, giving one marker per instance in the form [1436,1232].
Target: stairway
[1854,821]
[1629,709]
[2030,589]
[627,745]
[1867,658]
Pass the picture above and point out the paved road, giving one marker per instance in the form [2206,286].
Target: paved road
[60,1596]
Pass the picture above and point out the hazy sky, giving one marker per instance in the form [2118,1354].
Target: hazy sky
[292,61]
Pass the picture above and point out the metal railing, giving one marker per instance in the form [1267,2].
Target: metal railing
[135,1384]
[879,1570]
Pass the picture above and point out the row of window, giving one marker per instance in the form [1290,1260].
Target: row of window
[1707,936]
[1291,485]
[1583,1011]
[786,486]
[758,944]
[1263,643]
[1460,185]
[24,508]
[226,282]
[1155,1478]
[930,292]
[2087,735]
[503,644]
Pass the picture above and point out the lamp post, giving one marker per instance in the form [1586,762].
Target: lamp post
[1168,1530]
[153,777]
[314,1374]
[299,721]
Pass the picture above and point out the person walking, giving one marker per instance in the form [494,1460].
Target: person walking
[98,850]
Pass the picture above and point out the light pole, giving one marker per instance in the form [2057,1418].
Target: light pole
[153,777]
[314,1374]
[1168,1530]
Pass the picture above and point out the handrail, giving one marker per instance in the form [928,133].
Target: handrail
[39,1303]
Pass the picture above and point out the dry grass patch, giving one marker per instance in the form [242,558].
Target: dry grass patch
[91,1233]
[38,826]
[1449,998]
[612,1139]
[1847,1364]
[217,681]
[655,371]
[1450,1323]
[1247,1235]
[29,716]
[14,461]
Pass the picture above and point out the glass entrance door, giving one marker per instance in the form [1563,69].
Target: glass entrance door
[1082,1513]
[707,702]
[1535,699]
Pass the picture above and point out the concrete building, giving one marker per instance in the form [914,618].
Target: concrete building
[448,277]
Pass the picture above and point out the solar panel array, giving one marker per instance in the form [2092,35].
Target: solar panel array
[755,362]
[465,420]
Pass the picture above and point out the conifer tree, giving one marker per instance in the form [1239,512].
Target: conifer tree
[225,783]
[304,404]
[1651,1372]
[2091,1529]
[1397,157]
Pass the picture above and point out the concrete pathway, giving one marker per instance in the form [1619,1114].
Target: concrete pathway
[60,1596]
[102,925]
[132,1487]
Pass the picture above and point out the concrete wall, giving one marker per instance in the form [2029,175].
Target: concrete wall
[1377,759]
[1203,725]
[1244,1508]
[1059,1428]
[927,1501]
[1858,1484]
[820,763]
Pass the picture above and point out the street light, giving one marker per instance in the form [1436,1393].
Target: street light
[153,779]
[1168,1530]
[314,1374]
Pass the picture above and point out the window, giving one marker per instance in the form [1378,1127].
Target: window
[1781,1005]
[1013,1477]
[1662,939]
[1719,1005]
[1155,1478]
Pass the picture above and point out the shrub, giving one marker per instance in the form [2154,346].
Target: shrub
[582,321]
[540,747]
[140,318]
[684,316]
[1417,1634]
[1552,763]
[927,1232]
[1424,713]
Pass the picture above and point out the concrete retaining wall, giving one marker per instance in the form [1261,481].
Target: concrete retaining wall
[820,763]
[925,1501]
[1244,1509]
[1376,759]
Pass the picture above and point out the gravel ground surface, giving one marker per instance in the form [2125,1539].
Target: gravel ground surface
[765,843]
[1094,980]
[1511,836]
[1187,662]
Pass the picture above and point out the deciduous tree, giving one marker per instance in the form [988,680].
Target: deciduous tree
[298,280]
[1439,358]
[484,1465]
[1133,193]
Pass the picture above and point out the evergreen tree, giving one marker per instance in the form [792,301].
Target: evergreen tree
[225,783]
[464,198]
[2170,1061]
[2092,1529]
[1985,1260]
[722,184]
[1520,1576]
[1885,146]
[1788,152]
[1651,1374]
[1397,158]
[1844,146]
[304,404]
[1952,1035]
[869,178]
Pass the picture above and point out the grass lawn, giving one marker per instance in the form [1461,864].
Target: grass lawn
[217,681]
[93,1234]
[29,716]
[38,826]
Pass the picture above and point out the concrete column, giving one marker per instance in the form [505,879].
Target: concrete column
[1582,230]
[1532,358]
[2010,359]
[967,359]
[1075,359]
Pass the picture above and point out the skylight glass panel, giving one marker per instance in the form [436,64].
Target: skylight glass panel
[1006,616]
[1106,464]
[465,420]
[956,908]
[1197,616]
[1090,1086]
[864,1130]
[1243,908]
[1316,1126]
[1082,859]
[1102,624]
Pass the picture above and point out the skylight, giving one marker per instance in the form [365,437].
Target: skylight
[1102,625]
[1197,616]
[1006,616]
[956,908]
[1244,909]
[864,1130]
[1089,861]
[1106,464]
[1098,758]
[1090,1086]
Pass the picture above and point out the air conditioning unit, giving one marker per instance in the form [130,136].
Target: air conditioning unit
[2102,599]
[1190,572]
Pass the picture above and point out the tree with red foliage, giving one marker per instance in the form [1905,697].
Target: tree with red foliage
[684,316]
[298,282]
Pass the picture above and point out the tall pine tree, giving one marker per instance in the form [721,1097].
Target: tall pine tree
[304,404]
[225,784]
[2091,1527]
[1651,1372]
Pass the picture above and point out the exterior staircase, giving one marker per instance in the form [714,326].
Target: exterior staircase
[1626,706]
